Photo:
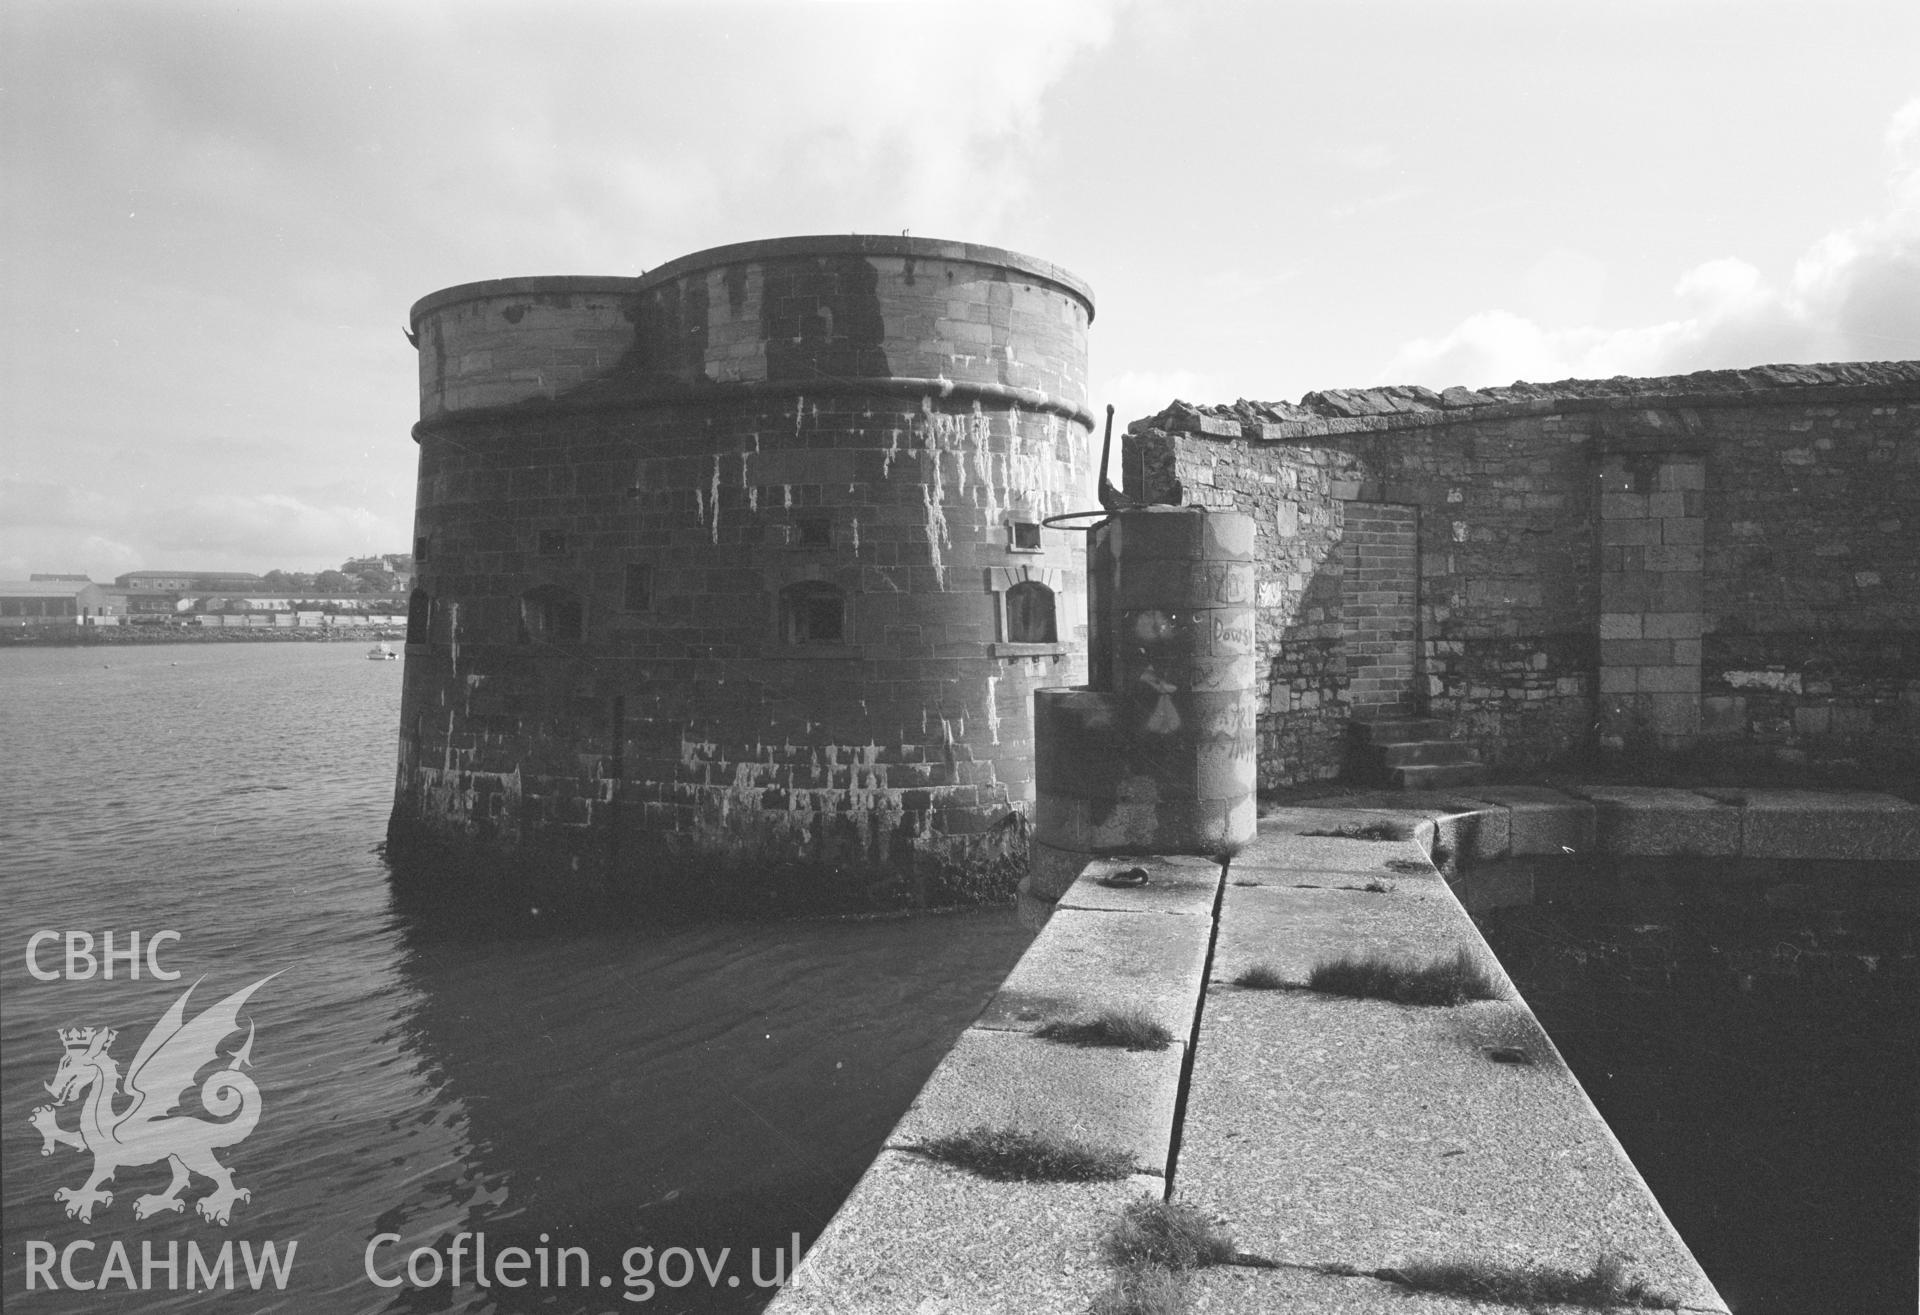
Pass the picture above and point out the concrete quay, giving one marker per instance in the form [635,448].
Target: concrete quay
[1342,1142]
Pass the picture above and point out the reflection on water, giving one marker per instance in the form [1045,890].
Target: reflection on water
[701,1086]
[1760,1065]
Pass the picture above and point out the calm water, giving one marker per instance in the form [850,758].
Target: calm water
[708,1087]
[1762,1067]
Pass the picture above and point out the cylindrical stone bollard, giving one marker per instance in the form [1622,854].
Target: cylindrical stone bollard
[1163,760]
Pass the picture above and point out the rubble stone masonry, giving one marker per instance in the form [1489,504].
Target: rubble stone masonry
[1724,559]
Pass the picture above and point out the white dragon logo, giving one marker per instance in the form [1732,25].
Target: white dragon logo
[148,1130]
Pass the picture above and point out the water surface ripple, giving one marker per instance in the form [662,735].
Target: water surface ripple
[706,1086]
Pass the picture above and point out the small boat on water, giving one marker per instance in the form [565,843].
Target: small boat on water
[382,652]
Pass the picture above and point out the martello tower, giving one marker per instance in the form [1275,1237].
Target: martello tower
[732,575]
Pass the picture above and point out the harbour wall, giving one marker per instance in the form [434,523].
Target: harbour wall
[1349,1146]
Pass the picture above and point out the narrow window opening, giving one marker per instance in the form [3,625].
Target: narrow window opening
[419,616]
[1030,614]
[422,546]
[1026,536]
[813,531]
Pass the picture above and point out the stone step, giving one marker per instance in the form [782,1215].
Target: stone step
[1409,753]
[1437,776]
[1399,730]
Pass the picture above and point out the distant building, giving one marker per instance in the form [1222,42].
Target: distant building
[148,603]
[199,581]
[39,577]
[29,603]
[398,565]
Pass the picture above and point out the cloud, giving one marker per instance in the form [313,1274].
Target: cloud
[1387,200]
[1140,393]
[47,526]
[230,209]
[619,139]
[269,528]
[41,504]
[1853,295]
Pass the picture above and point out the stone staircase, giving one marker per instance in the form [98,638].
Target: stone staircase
[1410,753]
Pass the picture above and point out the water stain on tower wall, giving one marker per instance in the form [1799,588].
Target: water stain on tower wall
[731,576]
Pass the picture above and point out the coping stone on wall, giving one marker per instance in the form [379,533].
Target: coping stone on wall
[1640,819]
[1540,820]
[1815,824]
[1343,411]
[1175,883]
[1086,961]
[927,1236]
[1116,1099]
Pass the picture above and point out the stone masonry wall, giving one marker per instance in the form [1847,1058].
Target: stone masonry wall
[732,577]
[1723,558]
[1812,579]
[1508,586]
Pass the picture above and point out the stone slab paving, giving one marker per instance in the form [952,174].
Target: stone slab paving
[930,1239]
[1245,1291]
[1361,1133]
[1642,819]
[1290,929]
[1088,961]
[1175,884]
[1118,1099]
[1284,845]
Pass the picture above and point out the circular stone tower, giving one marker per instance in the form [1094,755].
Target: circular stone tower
[731,579]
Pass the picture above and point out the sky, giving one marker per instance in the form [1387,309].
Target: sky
[215,216]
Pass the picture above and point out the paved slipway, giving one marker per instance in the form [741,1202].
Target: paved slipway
[1340,1140]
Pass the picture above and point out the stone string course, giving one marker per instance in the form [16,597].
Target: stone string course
[1722,558]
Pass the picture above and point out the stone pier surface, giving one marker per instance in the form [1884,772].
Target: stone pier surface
[1341,1140]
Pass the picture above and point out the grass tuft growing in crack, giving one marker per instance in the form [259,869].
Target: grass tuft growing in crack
[1262,977]
[1379,977]
[1607,1283]
[1013,1155]
[1154,1243]
[1121,1031]
[1166,1233]
[1143,1290]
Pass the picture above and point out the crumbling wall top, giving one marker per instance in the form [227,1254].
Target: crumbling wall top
[1350,410]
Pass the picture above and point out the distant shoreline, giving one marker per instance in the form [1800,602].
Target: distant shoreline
[110,636]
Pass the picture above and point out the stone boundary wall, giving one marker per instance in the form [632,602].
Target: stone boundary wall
[1722,558]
